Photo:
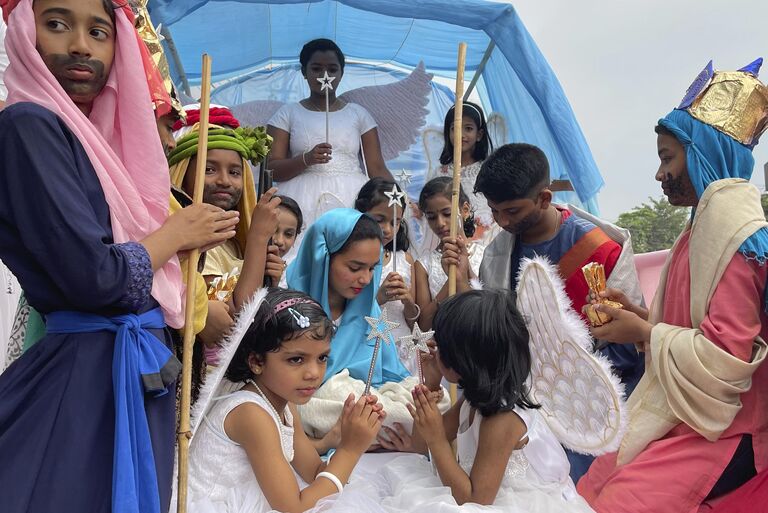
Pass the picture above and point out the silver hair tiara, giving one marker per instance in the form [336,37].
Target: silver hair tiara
[479,112]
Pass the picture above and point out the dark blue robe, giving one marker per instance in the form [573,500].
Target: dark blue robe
[57,411]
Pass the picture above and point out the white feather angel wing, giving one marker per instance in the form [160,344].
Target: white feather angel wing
[497,129]
[580,397]
[433,140]
[399,109]
[256,113]
[327,201]
[215,383]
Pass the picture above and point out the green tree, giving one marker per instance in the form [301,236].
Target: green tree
[654,225]
[764,203]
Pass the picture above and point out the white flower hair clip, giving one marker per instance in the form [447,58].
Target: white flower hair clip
[301,320]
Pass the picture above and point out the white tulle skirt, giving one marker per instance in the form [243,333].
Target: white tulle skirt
[359,496]
[411,485]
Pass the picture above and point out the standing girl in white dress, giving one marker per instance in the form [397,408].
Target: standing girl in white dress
[249,453]
[397,290]
[508,458]
[431,270]
[321,174]
[475,147]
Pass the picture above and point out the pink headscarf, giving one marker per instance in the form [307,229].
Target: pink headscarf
[120,138]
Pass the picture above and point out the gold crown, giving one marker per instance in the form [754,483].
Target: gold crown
[734,102]
[149,34]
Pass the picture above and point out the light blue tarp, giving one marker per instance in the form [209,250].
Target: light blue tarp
[255,45]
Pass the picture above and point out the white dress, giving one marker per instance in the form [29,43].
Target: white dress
[437,277]
[536,478]
[323,187]
[221,479]
[483,215]
[395,311]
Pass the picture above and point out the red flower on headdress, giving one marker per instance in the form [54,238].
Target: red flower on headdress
[221,116]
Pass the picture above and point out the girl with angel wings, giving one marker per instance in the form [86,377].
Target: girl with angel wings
[531,383]
[365,131]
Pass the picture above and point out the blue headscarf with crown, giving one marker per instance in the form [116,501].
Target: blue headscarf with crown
[713,155]
[309,273]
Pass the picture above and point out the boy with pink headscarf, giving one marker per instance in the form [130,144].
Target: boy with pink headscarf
[86,423]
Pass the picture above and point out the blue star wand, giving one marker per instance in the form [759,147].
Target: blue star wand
[380,330]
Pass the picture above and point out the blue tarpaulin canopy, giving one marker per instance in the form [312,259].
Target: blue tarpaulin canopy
[255,44]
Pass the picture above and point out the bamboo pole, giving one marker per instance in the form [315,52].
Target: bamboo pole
[189,330]
[457,121]
[457,129]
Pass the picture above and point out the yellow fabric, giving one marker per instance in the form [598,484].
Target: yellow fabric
[688,378]
[223,259]
[247,201]
[201,296]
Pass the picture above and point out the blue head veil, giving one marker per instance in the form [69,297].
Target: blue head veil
[712,155]
[309,273]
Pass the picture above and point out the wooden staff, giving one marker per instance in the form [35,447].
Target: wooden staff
[185,432]
[457,130]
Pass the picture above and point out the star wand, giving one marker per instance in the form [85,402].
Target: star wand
[395,200]
[416,342]
[327,86]
[380,329]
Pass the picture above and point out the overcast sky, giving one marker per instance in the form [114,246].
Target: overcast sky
[624,64]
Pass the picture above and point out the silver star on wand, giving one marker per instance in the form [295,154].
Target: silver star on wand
[403,178]
[381,327]
[326,80]
[417,340]
[395,196]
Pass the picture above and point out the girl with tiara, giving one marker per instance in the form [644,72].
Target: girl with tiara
[508,458]
[339,266]
[397,290]
[248,451]
[316,172]
[431,269]
[475,147]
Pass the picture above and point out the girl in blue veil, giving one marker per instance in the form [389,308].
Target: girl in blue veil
[339,266]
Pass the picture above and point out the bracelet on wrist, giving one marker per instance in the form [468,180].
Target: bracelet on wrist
[304,159]
[333,479]
[415,317]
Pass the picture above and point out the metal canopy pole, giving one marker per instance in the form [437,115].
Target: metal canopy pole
[480,68]
[166,33]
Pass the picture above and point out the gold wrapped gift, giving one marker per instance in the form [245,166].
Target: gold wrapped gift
[222,287]
[594,273]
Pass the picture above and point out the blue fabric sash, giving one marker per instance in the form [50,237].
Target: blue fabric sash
[141,363]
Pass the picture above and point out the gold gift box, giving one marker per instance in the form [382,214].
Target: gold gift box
[594,273]
[222,287]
